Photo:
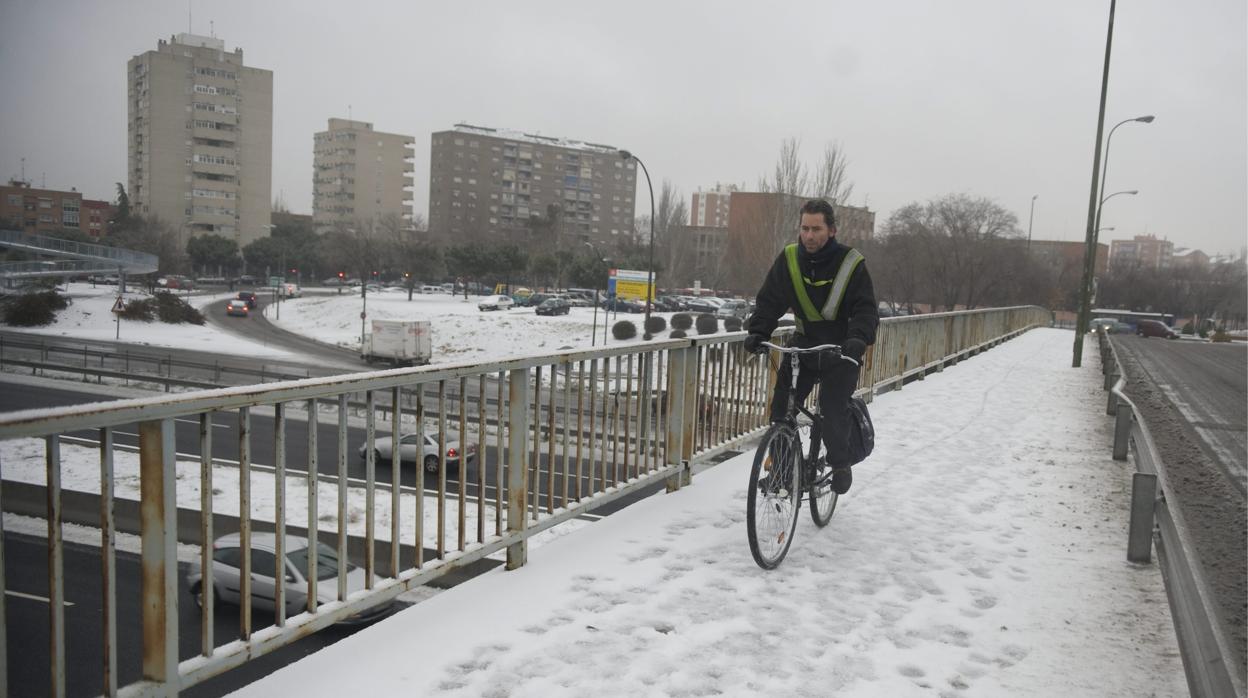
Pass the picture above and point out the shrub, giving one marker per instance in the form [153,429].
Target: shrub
[678,334]
[1219,335]
[624,329]
[163,306]
[655,325]
[732,324]
[33,309]
[1189,328]
[682,321]
[707,324]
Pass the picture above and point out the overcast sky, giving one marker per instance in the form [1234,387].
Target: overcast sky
[927,97]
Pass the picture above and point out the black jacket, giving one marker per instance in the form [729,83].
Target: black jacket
[859,316]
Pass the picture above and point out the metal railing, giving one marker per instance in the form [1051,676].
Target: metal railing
[130,261]
[555,436]
[1207,659]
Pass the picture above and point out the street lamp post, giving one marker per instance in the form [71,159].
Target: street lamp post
[1030,218]
[593,337]
[1105,166]
[650,269]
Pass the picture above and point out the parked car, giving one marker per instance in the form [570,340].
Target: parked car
[427,288]
[225,585]
[704,304]
[237,307]
[623,305]
[1155,328]
[553,306]
[536,299]
[495,303]
[734,308]
[668,304]
[427,456]
[579,301]
[248,296]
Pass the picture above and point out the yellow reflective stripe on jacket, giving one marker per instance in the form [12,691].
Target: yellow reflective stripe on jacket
[795,275]
[833,305]
[836,294]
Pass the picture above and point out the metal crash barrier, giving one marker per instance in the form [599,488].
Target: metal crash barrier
[549,438]
[1202,641]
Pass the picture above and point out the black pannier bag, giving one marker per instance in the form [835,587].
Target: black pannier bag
[861,431]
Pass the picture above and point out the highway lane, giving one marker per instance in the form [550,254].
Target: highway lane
[1207,384]
[26,573]
[1192,396]
[225,446]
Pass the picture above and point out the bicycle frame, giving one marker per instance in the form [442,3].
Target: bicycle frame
[792,408]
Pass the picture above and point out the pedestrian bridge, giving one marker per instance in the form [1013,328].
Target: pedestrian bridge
[72,258]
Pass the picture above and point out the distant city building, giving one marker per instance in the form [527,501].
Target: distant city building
[710,208]
[95,217]
[693,256]
[200,138]
[1188,258]
[487,183]
[1143,251]
[43,211]
[292,220]
[360,175]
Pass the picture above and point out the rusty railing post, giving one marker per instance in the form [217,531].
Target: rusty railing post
[681,392]
[158,521]
[517,465]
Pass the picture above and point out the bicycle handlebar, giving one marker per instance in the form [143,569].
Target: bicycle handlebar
[809,350]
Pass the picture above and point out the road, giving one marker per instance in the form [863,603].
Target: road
[15,396]
[1194,399]
[257,328]
[26,608]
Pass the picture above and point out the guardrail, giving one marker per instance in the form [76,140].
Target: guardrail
[571,432]
[1202,641]
[130,261]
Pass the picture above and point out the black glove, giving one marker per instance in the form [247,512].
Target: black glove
[754,343]
[854,348]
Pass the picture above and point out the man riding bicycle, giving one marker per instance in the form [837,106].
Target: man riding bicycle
[828,287]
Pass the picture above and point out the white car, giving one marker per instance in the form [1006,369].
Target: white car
[227,558]
[496,303]
[428,454]
[290,291]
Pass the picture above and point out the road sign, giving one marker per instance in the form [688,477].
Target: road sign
[630,283]
[118,306]
[275,281]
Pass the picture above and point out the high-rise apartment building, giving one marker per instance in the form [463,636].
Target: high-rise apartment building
[1144,251]
[488,183]
[200,138]
[711,208]
[360,174]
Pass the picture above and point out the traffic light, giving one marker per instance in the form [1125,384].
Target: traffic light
[341,275]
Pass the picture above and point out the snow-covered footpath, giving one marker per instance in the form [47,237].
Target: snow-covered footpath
[980,553]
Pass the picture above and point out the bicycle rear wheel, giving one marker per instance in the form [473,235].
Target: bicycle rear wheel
[772,508]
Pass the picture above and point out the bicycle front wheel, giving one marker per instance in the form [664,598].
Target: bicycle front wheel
[822,500]
[775,496]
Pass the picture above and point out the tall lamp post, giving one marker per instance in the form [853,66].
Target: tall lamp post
[1030,218]
[593,338]
[1105,166]
[650,269]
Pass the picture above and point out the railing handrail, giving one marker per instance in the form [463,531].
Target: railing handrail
[1209,673]
[80,250]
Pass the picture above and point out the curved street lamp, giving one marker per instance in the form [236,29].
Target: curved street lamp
[650,269]
[1148,119]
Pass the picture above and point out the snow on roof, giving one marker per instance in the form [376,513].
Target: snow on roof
[536,139]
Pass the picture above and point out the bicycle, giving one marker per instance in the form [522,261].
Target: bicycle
[772,509]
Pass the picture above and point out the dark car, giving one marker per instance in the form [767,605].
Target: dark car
[668,304]
[1155,328]
[623,305]
[249,296]
[237,306]
[537,299]
[553,306]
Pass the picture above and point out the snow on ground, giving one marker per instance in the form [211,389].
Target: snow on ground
[89,316]
[80,472]
[980,553]
[460,331]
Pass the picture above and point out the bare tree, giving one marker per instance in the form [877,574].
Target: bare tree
[831,180]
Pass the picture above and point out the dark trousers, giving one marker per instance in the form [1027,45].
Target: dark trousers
[837,380]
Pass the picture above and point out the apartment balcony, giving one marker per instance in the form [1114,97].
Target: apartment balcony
[211,219]
[408,166]
[409,182]
[215,134]
[208,168]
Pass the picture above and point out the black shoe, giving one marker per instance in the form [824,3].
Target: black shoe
[764,484]
[842,478]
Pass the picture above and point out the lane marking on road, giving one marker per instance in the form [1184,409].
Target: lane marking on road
[32,597]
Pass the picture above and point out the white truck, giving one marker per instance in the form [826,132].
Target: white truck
[398,342]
